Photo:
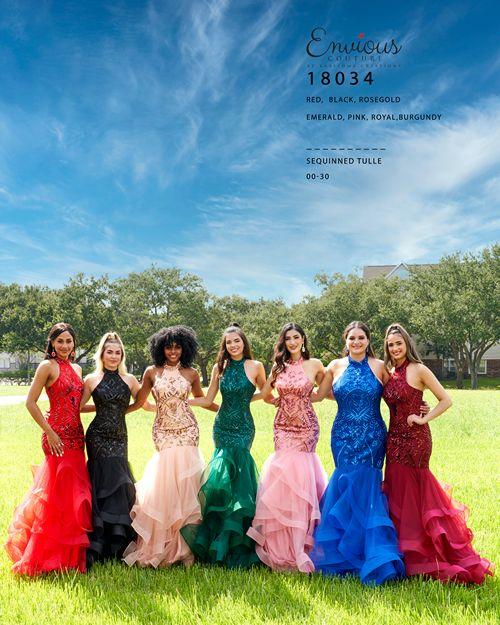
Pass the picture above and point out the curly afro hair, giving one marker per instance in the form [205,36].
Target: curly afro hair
[180,335]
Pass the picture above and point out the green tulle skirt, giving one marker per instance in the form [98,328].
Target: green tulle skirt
[227,498]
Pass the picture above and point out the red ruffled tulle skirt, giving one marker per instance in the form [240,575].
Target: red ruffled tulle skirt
[431,526]
[49,528]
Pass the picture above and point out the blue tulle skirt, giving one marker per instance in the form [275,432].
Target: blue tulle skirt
[355,535]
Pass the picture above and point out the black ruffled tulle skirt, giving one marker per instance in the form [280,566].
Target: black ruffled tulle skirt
[113,495]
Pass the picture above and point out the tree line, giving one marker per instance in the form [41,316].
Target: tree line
[452,307]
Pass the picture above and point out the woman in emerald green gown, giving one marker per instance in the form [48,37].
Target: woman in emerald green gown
[229,486]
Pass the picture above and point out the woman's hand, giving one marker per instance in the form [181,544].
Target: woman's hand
[413,418]
[55,443]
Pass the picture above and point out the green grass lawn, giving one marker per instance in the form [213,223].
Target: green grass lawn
[464,455]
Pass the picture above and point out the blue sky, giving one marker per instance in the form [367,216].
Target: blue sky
[174,133]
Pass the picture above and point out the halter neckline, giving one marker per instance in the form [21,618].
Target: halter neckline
[357,363]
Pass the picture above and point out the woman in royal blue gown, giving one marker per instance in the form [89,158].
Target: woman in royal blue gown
[355,535]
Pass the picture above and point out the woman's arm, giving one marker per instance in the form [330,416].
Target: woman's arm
[143,392]
[87,392]
[429,380]
[135,387]
[197,391]
[325,387]
[42,377]
[266,392]
[206,402]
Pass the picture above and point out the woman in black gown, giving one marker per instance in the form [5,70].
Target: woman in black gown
[113,491]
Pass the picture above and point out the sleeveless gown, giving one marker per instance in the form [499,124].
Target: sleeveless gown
[49,529]
[355,535]
[293,479]
[113,491]
[167,494]
[431,526]
[230,483]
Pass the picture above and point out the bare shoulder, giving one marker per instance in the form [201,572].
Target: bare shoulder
[316,362]
[191,373]
[90,377]
[77,368]
[129,378]
[338,362]
[376,361]
[47,365]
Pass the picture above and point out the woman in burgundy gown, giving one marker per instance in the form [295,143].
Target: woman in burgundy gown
[49,529]
[431,527]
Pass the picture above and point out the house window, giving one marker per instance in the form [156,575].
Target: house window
[482,369]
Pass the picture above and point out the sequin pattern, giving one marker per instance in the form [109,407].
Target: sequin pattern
[234,426]
[296,424]
[408,445]
[175,424]
[64,412]
[107,434]
[358,432]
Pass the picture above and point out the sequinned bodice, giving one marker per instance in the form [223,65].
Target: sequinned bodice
[234,425]
[175,424]
[296,424]
[408,445]
[358,432]
[64,396]
[107,434]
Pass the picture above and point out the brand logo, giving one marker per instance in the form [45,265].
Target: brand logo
[319,45]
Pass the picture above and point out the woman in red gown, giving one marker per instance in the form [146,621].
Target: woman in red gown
[431,526]
[49,529]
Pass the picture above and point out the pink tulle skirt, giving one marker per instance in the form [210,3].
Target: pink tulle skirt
[49,528]
[290,489]
[167,499]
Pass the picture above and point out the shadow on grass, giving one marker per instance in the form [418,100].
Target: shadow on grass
[214,594]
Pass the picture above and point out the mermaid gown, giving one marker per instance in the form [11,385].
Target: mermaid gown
[167,495]
[230,483]
[113,491]
[293,479]
[355,535]
[49,529]
[432,530]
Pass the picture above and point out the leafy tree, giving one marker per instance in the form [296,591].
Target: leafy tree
[26,315]
[85,303]
[458,304]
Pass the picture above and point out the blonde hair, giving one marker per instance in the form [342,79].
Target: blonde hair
[109,337]
[411,349]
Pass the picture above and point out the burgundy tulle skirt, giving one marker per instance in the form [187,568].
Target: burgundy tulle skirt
[49,528]
[431,526]
[287,511]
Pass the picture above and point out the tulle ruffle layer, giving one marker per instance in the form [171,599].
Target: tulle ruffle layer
[49,528]
[432,527]
[227,499]
[355,535]
[290,489]
[113,495]
[167,499]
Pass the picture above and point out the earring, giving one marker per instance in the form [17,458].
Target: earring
[53,354]
[72,355]
[303,349]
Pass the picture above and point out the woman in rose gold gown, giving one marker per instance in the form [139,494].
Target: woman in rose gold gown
[167,494]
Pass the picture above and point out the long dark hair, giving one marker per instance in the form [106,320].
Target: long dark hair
[281,353]
[180,335]
[54,332]
[362,326]
[223,357]
[411,349]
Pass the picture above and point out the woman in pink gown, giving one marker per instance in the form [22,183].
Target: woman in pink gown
[293,479]
[167,494]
